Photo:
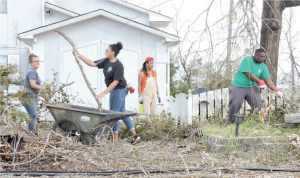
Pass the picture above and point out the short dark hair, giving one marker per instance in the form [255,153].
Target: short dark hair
[260,50]
[116,48]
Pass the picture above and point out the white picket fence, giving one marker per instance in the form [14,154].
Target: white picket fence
[202,106]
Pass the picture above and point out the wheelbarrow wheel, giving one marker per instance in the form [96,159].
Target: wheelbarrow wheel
[67,132]
[104,134]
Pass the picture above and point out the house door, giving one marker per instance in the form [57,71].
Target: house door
[70,72]
[129,59]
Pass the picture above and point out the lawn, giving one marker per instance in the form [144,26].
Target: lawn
[251,128]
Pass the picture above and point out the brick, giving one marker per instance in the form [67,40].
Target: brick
[241,147]
[264,139]
[248,140]
[219,148]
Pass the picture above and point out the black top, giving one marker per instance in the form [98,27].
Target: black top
[112,71]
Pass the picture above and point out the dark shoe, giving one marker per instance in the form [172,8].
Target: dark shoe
[136,139]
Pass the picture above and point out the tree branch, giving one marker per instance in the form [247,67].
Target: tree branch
[81,68]
[291,3]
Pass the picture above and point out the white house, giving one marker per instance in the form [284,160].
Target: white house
[29,26]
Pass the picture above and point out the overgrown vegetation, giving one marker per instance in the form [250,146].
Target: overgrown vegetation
[9,102]
[55,93]
[196,74]
[250,127]
[163,127]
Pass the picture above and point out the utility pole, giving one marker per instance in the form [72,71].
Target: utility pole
[228,60]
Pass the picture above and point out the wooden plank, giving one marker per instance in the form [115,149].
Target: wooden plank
[248,108]
[279,101]
[287,94]
[203,105]
[272,100]
[196,105]
[182,106]
[225,102]
[292,118]
[298,99]
[172,105]
[176,108]
[190,108]
[264,95]
[218,100]
[210,99]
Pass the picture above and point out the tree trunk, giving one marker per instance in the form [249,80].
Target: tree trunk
[271,30]
[292,118]
[270,34]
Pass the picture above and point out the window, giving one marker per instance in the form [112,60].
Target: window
[3,6]
[3,63]
[3,60]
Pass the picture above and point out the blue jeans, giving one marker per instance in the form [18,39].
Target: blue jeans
[117,103]
[31,109]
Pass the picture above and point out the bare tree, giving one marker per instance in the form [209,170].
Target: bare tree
[271,30]
[291,40]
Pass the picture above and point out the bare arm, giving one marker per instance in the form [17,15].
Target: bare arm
[108,89]
[270,84]
[111,86]
[85,60]
[140,80]
[35,86]
[252,77]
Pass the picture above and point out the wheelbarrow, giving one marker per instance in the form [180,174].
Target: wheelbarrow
[84,123]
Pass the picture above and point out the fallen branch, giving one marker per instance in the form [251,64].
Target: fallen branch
[187,169]
[287,99]
[81,68]
[21,152]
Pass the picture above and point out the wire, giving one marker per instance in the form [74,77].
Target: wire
[128,172]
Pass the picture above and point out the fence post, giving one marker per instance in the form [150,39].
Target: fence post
[190,108]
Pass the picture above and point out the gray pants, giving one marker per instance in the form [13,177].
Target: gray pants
[238,95]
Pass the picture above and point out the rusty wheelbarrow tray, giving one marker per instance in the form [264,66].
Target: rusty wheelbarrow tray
[85,123]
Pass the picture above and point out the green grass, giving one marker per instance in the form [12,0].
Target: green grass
[250,128]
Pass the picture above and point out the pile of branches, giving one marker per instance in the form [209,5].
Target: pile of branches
[43,150]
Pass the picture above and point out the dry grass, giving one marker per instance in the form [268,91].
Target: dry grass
[52,151]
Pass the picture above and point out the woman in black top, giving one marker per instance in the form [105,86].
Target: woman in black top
[116,85]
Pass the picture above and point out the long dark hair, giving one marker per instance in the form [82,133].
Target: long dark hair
[144,69]
[116,48]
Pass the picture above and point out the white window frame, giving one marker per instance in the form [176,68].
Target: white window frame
[4,12]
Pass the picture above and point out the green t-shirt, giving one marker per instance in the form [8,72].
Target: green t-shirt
[260,70]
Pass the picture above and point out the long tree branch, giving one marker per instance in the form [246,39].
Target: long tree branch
[81,68]
[291,3]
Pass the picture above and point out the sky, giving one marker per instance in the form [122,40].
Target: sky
[184,13]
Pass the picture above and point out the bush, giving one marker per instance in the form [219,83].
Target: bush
[162,127]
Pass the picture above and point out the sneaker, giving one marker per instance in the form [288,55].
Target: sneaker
[136,139]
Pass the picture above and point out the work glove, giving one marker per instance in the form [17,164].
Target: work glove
[140,100]
[261,84]
[278,93]
[158,97]
[131,89]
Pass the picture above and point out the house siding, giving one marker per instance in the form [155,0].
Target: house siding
[83,6]
[20,16]
[93,30]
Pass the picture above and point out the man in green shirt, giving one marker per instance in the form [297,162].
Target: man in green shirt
[247,83]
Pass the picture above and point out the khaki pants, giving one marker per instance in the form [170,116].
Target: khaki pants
[150,97]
